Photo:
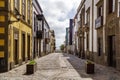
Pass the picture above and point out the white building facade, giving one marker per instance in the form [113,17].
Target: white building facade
[98,31]
[37,29]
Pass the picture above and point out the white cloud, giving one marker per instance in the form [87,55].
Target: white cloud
[58,13]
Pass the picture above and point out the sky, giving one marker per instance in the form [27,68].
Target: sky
[57,14]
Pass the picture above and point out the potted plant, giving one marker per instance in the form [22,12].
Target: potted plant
[89,67]
[31,67]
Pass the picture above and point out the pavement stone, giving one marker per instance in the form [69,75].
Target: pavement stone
[58,66]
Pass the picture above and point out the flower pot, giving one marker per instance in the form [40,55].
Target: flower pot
[89,67]
[31,68]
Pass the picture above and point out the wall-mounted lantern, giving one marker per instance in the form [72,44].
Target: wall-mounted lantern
[17,17]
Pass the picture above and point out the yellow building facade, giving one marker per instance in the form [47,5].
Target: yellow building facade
[15,33]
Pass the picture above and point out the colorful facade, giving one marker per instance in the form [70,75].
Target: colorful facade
[15,33]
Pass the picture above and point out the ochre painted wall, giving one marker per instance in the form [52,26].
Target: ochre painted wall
[21,27]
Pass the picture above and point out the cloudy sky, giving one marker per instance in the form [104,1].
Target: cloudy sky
[57,14]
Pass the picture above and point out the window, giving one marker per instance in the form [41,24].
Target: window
[16,4]
[88,17]
[29,11]
[80,22]
[23,8]
[111,5]
[100,11]
[82,17]
[34,21]
[36,24]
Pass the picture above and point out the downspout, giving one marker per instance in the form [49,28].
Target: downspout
[92,56]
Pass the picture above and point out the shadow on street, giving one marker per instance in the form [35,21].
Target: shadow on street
[101,72]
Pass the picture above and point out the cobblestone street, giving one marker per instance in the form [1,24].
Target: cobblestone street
[58,66]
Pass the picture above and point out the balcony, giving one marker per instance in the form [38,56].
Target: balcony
[40,17]
[39,34]
[99,22]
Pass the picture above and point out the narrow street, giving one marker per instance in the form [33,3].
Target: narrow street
[58,66]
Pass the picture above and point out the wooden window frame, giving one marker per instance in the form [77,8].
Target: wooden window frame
[23,9]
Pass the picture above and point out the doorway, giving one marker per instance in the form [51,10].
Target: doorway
[16,51]
[111,51]
[23,47]
[28,48]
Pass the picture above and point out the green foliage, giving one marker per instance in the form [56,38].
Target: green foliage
[62,47]
[32,62]
[89,62]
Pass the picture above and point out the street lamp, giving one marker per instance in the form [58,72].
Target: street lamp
[17,17]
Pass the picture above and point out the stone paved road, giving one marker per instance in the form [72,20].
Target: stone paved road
[59,66]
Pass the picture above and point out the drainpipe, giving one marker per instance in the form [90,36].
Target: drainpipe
[92,56]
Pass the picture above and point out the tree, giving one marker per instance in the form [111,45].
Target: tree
[62,47]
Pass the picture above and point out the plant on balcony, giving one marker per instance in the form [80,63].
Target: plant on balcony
[89,67]
[31,67]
